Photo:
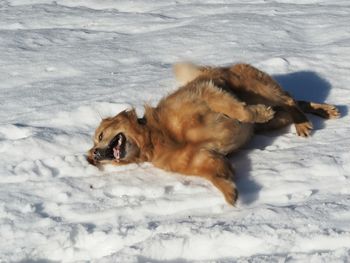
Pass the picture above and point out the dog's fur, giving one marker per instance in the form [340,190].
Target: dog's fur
[192,130]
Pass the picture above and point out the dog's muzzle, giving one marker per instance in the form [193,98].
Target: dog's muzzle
[115,150]
[102,154]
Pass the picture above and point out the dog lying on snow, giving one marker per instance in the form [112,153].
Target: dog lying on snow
[192,130]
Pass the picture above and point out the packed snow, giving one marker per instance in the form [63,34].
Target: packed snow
[65,64]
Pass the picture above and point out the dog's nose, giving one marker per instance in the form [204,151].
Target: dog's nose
[97,155]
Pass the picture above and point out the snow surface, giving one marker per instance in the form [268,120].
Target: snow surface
[64,63]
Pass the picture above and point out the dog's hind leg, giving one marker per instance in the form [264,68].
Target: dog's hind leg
[280,120]
[302,124]
[264,89]
[283,118]
[323,110]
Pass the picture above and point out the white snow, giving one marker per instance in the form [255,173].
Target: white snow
[64,64]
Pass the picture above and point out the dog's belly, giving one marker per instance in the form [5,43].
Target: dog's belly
[197,124]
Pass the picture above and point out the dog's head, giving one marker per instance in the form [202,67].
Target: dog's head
[119,140]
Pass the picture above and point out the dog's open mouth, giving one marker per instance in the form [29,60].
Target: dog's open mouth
[118,145]
[121,149]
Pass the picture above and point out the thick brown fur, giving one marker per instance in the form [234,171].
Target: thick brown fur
[253,86]
[213,114]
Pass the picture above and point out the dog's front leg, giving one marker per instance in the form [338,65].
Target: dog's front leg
[217,169]
[192,160]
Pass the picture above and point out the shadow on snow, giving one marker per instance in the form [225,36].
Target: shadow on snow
[302,85]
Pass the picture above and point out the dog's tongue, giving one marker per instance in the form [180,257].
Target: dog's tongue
[116,149]
[116,153]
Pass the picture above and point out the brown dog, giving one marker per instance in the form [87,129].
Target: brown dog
[192,130]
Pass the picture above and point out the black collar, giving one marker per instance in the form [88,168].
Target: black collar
[142,121]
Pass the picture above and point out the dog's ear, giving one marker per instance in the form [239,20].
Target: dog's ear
[186,72]
[131,114]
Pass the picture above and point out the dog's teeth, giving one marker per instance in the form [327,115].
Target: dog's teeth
[116,154]
[120,141]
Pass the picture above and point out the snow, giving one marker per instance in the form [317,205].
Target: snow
[64,64]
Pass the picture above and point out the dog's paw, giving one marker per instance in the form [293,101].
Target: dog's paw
[232,197]
[269,113]
[262,113]
[303,129]
[227,187]
[328,111]
[231,194]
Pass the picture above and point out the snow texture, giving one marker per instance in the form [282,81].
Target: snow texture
[64,63]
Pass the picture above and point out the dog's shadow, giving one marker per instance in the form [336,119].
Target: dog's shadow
[302,85]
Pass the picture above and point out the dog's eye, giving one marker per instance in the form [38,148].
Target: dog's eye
[100,136]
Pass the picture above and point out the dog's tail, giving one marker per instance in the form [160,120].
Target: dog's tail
[186,72]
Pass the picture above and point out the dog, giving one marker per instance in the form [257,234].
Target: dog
[214,113]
